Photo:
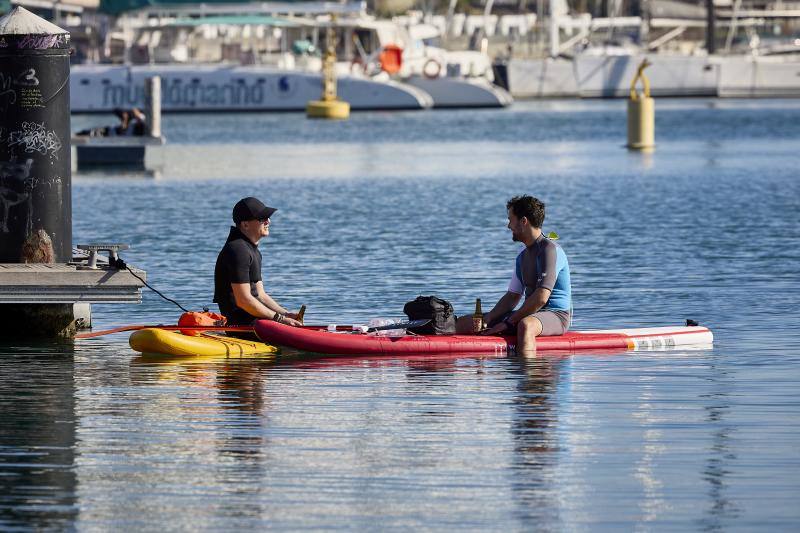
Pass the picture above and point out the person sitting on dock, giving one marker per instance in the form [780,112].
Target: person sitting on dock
[238,287]
[132,123]
[541,276]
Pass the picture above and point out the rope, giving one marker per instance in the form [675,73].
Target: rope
[120,329]
[121,265]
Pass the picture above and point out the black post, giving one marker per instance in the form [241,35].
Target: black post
[35,171]
[711,24]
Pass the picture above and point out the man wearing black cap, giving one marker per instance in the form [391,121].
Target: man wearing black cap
[238,289]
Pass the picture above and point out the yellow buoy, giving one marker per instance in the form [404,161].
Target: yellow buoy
[329,106]
[328,109]
[641,114]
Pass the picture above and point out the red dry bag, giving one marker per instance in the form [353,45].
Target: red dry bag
[197,318]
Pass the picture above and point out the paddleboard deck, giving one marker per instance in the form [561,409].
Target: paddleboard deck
[157,341]
[316,339]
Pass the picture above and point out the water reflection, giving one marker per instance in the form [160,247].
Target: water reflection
[241,388]
[225,421]
[239,383]
[721,509]
[37,437]
[534,430]
[652,504]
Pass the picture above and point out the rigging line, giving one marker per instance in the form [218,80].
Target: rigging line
[121,263]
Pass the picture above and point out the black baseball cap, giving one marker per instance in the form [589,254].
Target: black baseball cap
[251,209]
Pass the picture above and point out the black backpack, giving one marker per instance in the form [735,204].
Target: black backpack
[440,312]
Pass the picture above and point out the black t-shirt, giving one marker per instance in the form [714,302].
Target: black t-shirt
[239,261]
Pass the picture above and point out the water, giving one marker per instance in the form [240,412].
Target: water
[375,211]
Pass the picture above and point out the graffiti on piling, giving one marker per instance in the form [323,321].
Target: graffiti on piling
[41,42]
[8,95]
[12,174]
[34,137]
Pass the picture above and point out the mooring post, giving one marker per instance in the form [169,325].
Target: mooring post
[641,114]
[152,90]
[35,170]
[35,178]
[329,106]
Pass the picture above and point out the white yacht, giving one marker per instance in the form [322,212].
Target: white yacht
[101,88]
[581,67]
[452,78]
[211,60]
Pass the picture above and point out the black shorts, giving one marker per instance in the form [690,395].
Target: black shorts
[239,317]
[554,322]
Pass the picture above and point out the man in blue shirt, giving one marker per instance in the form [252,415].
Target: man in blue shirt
[541,277]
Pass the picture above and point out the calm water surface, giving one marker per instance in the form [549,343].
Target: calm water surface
[373,212]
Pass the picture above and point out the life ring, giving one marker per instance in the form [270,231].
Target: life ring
[431,69]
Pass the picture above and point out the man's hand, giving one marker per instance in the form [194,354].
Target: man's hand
[293,316]
[290,321]
[497,329]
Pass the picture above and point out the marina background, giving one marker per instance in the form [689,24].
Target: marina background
[266,56]
[375,211]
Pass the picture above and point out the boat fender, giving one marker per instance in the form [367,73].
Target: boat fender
[431,69]
[197,318]
[391,59]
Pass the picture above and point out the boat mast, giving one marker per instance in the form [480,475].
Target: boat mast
[710,27]
[486,15]
[540,18]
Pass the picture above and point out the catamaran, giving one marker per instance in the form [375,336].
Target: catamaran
[265,57]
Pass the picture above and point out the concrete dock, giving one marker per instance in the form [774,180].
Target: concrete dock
[60,283]
[54,300]
[126,153]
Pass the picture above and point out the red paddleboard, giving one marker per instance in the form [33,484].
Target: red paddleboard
[317,339]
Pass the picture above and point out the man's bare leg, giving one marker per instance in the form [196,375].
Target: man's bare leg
[527,330]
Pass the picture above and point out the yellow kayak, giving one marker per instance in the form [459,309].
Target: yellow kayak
[165,342]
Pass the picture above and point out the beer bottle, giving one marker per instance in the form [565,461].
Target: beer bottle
[300,313]
[477,318]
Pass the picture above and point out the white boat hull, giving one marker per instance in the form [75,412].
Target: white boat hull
[542,78]
[589,76]
[669,75]
[461,92]
[760,77]
[101,88]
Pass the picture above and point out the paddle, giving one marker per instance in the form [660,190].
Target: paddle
[174,328]
[159,326]
[397,325]
[401,325]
